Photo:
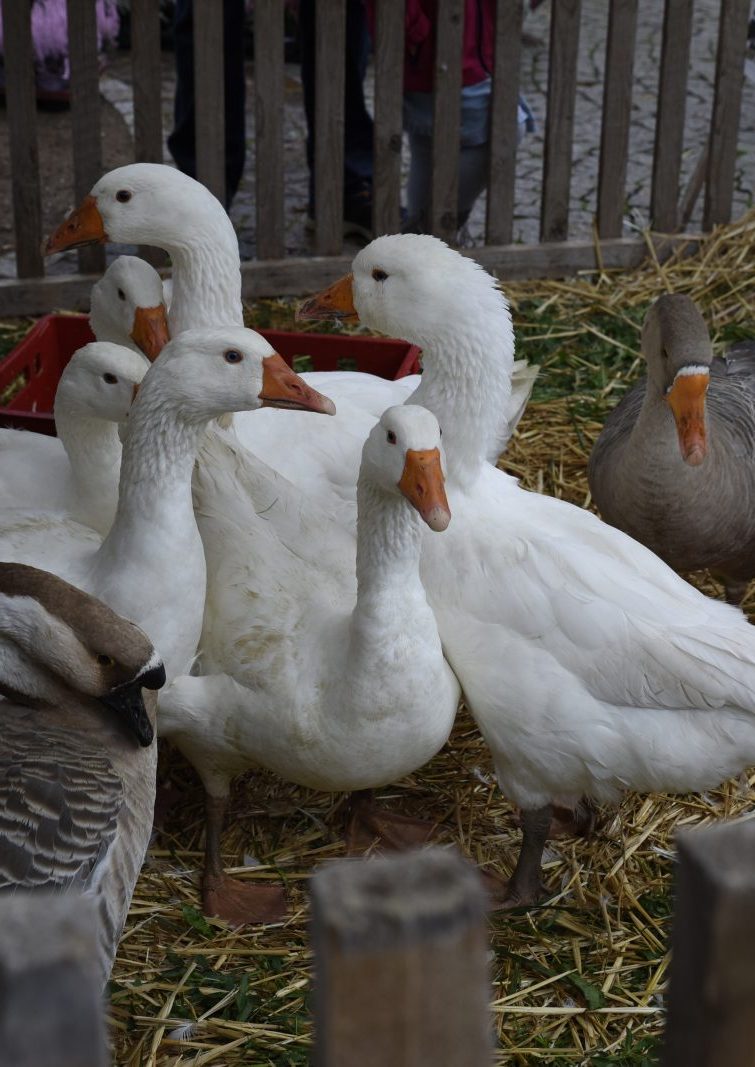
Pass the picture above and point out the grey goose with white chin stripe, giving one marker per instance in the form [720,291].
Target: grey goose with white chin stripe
[674,466]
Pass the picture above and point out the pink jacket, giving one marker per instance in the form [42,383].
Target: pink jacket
[419,42]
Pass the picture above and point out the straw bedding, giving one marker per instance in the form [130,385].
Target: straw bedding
[579,980]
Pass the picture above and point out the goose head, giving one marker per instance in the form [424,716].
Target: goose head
[677,348]
[130,204]
[403,454]
[60,634]
[212,371]
[128,307]
[406,285]
[100,381]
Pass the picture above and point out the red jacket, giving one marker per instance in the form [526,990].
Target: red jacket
[419,42]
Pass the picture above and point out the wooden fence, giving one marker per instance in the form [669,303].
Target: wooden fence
[272,273]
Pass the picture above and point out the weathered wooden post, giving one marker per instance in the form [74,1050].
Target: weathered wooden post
[401,974]
[711,1012]
[51,1009]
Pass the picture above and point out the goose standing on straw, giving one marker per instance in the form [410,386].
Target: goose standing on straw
[589,665]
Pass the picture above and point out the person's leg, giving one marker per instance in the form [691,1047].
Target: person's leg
[235,95]
[358,128]
[181,142]
[357,182]
[473,178]
[474,150]
[307,60]
[418,123]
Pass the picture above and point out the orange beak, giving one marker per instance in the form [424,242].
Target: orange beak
[423,485]
[150,330]
[335,302]
[281,388]
[84,226]
[686,399]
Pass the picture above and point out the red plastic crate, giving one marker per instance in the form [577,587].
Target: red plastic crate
[47,348]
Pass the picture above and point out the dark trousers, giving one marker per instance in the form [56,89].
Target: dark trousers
[181,142]
[357,168]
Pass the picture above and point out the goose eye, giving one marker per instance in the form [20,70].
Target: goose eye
[110,379]
[123,196]
[121,295]
[390,437]
[232,356]
[379,275]
[105,661]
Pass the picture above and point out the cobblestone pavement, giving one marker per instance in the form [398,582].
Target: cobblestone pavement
[116,89]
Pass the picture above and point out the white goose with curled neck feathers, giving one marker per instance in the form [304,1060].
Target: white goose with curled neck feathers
[76,474]
[589,666]
[77,758]
[150,567]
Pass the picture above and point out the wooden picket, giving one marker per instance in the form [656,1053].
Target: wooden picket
[272,272]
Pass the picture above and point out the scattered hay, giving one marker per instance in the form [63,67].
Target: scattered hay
[579,980]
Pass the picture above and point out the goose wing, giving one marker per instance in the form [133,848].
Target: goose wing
[59,807]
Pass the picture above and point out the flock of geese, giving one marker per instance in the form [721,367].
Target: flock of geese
[313,594]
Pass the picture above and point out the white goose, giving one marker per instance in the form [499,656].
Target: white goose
[158,205]
[77,763]
[150,568]
[77,472]
[128,307]
[330,687]
[589,665]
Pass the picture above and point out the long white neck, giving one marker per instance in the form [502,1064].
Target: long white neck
[389,541]
[150,568]
[391,603]
[93,448]
[206,273]
[466,382]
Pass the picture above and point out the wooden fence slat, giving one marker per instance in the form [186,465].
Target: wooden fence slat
[51,1010]
[295,276]
[711,1021]
[330,75]
[389,76]
[727,102]
[559,123]
[85,112]
[400,963]
[268,118]
[504,127]
[146,71]
[22,131]
[209,95]
[669,123]
[617,105]
[444,194]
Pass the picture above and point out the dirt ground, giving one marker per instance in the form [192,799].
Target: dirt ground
[56,161]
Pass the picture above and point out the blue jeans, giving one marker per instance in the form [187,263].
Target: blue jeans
[473,150]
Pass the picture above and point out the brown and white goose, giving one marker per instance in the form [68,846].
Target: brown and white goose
[77,759]
[674,466]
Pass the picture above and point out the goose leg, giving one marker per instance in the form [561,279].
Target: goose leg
[223,896]
[569,822]
[368,823]
[525,887]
